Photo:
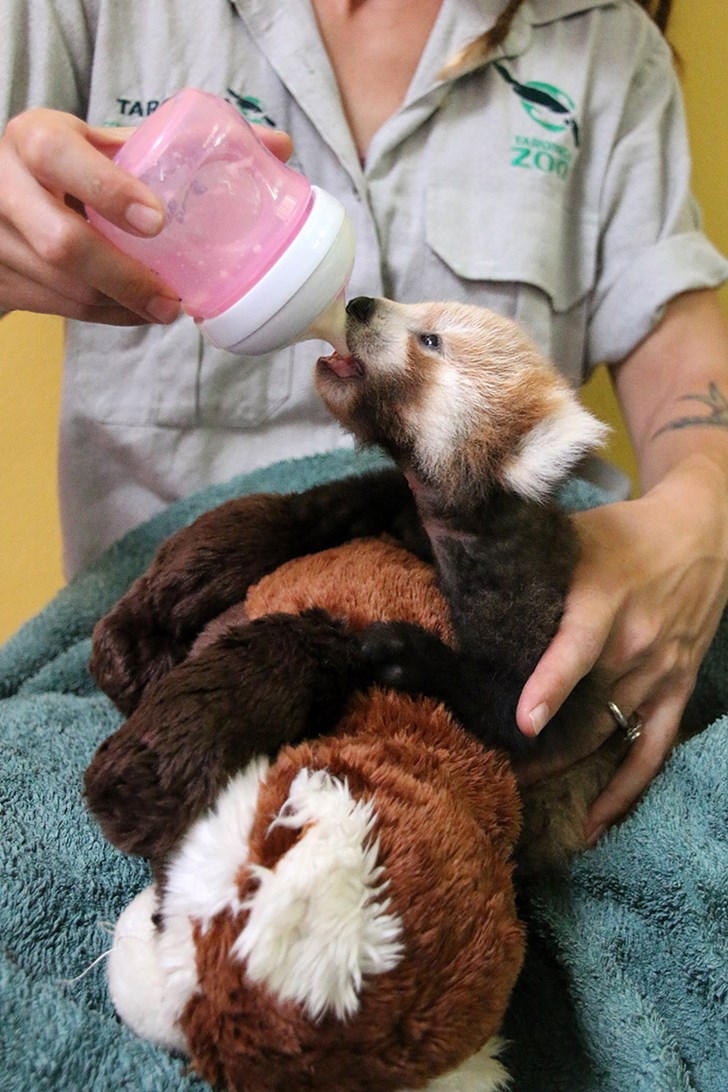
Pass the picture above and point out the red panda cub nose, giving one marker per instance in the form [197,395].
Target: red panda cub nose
[361,308]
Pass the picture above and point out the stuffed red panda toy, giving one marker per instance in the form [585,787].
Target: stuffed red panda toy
[341,917]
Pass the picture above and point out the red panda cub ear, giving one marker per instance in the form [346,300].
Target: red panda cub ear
[549,451]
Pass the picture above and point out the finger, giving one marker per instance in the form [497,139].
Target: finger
[644,760]
[572,654]
[67,244]
[644,687]
[19,294]
[109,138]
[29,284]
[58,151]
[276,141]
[19,264]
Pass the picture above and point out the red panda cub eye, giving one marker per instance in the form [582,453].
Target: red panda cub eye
[430,341]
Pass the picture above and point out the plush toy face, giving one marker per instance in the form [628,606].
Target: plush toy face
[351,901]
[306,946]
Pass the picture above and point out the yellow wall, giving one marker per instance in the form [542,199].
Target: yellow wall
[30,346]
[30,540]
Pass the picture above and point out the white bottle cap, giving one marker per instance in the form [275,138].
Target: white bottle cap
[301,284]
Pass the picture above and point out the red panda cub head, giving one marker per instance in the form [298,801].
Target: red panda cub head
[459,396]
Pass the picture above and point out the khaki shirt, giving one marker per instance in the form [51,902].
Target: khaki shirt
[550,184]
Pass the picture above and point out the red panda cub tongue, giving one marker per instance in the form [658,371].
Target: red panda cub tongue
[345,367]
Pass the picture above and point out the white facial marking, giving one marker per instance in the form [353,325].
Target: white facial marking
[439,418]
[319,922]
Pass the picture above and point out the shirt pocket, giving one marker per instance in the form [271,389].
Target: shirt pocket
[168,376]
[528,256]
[242,392]
[136,376]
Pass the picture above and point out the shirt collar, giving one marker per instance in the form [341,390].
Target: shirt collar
[471,19]
[288,35]
[549,11]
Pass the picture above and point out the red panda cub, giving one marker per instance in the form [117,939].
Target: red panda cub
[485,431]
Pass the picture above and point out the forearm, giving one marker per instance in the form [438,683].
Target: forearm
[652,581]
[674,394]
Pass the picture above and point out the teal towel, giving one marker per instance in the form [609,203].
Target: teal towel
[625,986]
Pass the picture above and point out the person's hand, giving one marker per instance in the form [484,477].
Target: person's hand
[645,603]
[51,259]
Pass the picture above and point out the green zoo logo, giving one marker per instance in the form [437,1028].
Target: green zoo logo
[541,155]
[548,106]
[554,110]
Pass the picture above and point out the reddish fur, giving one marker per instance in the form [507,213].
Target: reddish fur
[405,588]
[447,818]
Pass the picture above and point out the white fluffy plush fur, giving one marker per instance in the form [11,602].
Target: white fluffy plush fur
[481,1072]
[138,985]
[202,876]
[152,973]
[319,921]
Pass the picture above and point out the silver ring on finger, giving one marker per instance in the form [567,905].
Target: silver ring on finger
[631,726]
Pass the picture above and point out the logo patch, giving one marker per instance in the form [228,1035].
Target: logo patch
[546,105]
[130,110]
[552,110]
[251,108]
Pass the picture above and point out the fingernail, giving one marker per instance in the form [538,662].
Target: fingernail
[163,309]
[144,218]
[539,718]
[593,838]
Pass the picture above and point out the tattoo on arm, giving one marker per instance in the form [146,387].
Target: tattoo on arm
[717,416]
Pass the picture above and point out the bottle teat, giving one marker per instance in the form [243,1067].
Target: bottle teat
[330,326]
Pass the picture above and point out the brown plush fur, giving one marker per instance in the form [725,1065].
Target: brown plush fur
[204,569]
[368,580]
[554,809]
[255,687]
[447,815]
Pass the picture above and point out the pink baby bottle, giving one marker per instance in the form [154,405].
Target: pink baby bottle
[259,257]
